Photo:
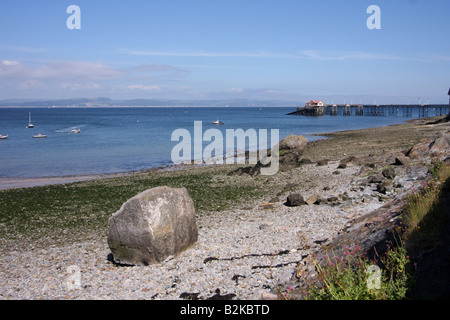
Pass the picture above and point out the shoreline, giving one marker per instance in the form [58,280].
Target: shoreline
[7,183]
[250,242]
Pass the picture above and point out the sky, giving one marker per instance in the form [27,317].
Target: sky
[290,50]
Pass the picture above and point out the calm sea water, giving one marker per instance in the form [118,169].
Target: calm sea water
[127,139]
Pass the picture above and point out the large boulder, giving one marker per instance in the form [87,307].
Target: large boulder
[441,145]
[290,149]
[293,144]
[153,225]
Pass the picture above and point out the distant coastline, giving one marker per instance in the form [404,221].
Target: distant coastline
[144,103]
[116,106]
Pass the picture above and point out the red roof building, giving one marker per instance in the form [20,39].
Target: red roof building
[314,103]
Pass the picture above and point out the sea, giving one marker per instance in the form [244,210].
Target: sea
[126,139]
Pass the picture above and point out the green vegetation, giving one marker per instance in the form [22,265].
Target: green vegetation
[352,276]
[77,210]
[427,210]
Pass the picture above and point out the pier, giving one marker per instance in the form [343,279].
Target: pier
[405,110]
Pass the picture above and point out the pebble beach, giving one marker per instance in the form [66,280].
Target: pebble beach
[246,252]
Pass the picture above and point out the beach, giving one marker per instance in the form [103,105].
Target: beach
[250,242]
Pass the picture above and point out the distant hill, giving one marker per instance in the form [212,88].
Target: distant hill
[107,102]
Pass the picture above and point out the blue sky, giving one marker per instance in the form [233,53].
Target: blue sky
[292,50]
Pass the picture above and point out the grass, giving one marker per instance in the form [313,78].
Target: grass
[353,277]
[426,211]
[391,275]
[58,212]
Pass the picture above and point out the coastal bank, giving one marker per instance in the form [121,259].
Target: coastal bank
[250,241]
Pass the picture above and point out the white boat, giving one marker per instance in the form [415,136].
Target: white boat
[40,136]
[218,122]
[75,130]
[30,125]
[2,137]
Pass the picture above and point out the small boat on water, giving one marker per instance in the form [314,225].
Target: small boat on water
[75,130]
[218,122]
[38,136]
[2,137]
[30,125]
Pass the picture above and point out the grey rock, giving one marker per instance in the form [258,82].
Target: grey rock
[293,144]
[274,200]
[402,161]
[290,150]
[152,226]
[344,162]
[419,151]
[311,200]
[305,161]
[285,278]
[320,201]
[389,173]
[376,178]
[385,187]
[441,145]
[295,199]
[322,163]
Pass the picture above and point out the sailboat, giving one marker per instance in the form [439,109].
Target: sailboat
[30,125]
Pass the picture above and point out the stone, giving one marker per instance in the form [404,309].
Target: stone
[321,163]
[320,201]
[295,199]
[420,150]
[344,162]
[441,145]
[262,295]
[274,200]
[311,200]
[288,161]
[332,199]
[293,144]
[290,150]
[401,161]
[251,170]
[386,186]
[305,161]
[152,226]
[366,198]
[285,278]
[389,173]
[345,197]
[376,178]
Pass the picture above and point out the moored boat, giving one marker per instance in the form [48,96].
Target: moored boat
[30,125]
[40,136]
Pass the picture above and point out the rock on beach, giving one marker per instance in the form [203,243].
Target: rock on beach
[153,225]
